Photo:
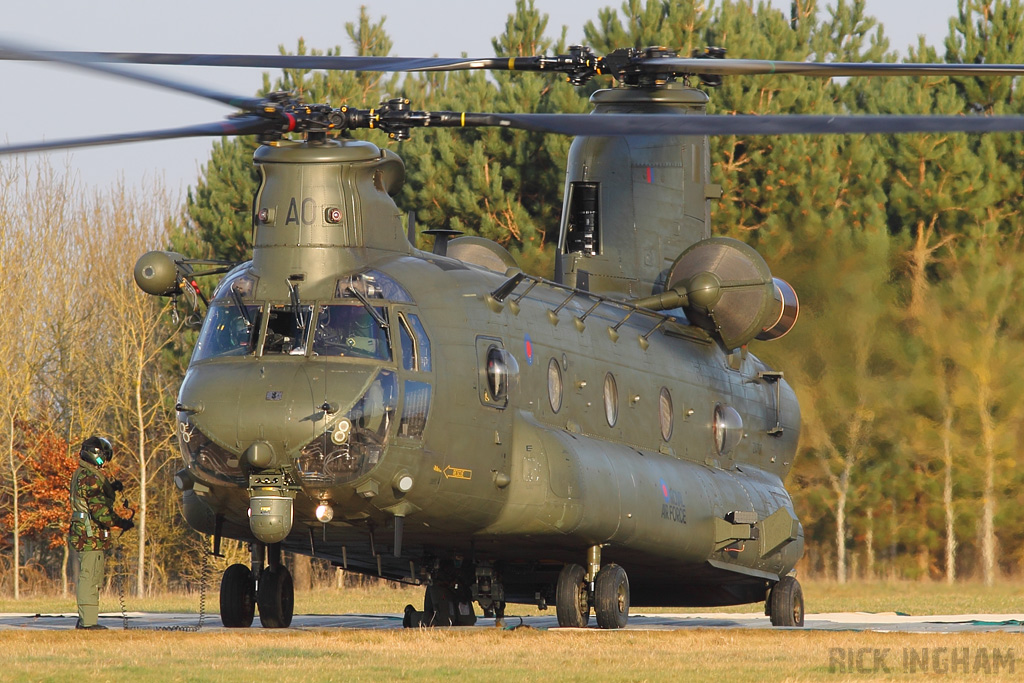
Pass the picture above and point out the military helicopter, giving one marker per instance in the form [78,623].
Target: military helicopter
[593,441]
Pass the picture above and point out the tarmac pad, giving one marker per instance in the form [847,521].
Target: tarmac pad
[887,622]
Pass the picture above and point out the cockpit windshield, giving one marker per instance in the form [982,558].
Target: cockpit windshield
[350,330]
[285,330]
[226,331]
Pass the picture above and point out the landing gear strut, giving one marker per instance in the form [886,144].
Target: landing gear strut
[785,604]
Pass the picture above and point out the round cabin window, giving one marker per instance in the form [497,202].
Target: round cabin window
[497,375]
[611,400]
[665,414]
[727,428]
[554,385]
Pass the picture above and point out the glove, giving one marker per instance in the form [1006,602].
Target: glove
[125,524]
[117,485]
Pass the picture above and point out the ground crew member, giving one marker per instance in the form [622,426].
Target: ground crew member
[92,517]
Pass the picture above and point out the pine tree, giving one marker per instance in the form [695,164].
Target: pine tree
[501,184]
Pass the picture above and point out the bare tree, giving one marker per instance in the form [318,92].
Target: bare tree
[130,381]
[30,223]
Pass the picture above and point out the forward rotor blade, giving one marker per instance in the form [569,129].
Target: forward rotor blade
[92,62]
[749,67]
[242,125]
[669,124]
[330,63]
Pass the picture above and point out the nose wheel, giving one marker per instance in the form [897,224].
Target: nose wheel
[275,596]
[237,597]
[273,593]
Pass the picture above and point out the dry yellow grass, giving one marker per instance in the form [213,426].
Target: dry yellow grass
[493,654]
[524,654]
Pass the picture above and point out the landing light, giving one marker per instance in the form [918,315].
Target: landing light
[402,482]
[324,513]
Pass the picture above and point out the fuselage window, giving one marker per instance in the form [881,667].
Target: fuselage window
[727,428]
[665,413]
[227,331]
[554,385]
[239,281]
[350,331]
[611,400]
[414,410]
[357,441]
[497,376]
[498,372]
[286,330]
[372,284]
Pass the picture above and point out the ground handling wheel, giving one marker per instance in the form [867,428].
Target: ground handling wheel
[237,597]
[571,600]
[276,597]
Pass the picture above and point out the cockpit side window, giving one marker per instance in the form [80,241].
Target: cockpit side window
[408,346]
[227,332]
[415,344]
[343,330]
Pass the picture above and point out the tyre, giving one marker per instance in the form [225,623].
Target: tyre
[611,597]
[276,597]
[786,603]
[571,601]
[237,597]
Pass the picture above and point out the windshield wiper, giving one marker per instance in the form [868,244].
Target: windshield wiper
[293,289]
[369,308]
[237,296]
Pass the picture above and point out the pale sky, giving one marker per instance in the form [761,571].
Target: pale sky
[50,102]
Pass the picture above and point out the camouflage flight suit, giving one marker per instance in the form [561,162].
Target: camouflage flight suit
[92,516]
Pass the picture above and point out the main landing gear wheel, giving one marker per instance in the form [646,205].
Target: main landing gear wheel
[786,603]
[571,602]
[276,597]
[237,597]
[611,597]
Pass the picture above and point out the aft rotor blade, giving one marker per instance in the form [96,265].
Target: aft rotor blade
[242,125]
[90,62]
[749,67]
[669,124]
[677,65]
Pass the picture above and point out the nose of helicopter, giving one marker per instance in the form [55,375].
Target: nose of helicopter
[264,412]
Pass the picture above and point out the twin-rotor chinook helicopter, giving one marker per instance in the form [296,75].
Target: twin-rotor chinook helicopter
[594,441]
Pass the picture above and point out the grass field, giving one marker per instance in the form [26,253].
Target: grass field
[493,654]
[526,654]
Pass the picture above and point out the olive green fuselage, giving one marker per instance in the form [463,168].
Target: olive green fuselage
[515,431]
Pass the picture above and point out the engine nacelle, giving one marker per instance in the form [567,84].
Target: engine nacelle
[725,287]
[160,272]
[788,306]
